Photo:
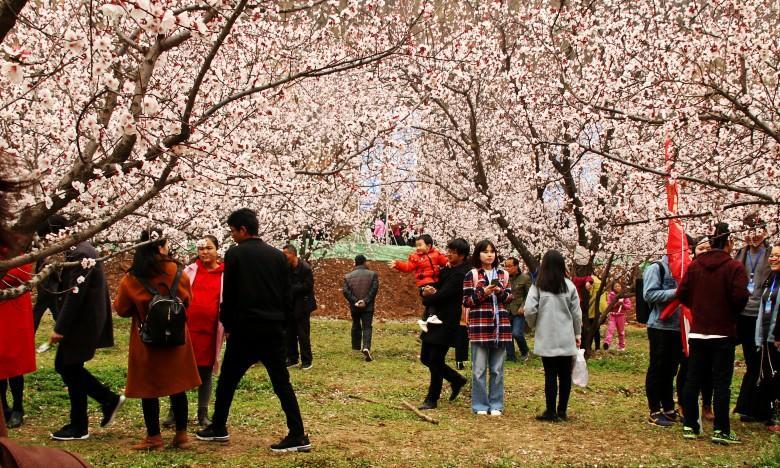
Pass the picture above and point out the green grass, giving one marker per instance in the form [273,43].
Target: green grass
[607,424]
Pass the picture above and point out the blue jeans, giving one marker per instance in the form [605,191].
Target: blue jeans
[484,359]
[518,327]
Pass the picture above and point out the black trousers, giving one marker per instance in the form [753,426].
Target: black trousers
[264,342]
[713,357]
[362,328]
[17,392]
[665,355]
[40,308]
[299,333]
[432,356]
[151,410]
[462,344]
[706,384]
[748,401]
[557,382]
[81,384]
[769,379]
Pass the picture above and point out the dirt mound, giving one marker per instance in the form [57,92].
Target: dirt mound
[398,298]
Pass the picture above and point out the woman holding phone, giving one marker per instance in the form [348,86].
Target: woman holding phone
[486,292]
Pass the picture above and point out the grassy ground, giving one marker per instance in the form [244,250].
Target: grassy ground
[607,425]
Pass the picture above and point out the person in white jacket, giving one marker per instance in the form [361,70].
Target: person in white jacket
[552,309]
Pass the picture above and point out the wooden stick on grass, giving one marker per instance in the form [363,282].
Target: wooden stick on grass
[422,416]
[406,405]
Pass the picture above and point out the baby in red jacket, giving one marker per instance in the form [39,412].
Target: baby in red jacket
[425,262]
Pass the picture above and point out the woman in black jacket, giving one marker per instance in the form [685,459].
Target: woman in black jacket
[445,301]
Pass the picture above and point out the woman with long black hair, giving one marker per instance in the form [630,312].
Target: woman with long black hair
[155,371]
[552,308]
[486,292]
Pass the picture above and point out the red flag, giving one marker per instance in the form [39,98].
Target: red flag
[676,249]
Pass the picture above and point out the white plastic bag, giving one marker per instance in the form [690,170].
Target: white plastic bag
[579,374]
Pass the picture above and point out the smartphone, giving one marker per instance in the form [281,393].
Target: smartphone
[495,282]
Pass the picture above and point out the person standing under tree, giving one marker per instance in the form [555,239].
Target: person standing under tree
[755,257]
[361,286]
[715,289]
[521,283]
[157,370]
[303,304]
[553,310]
[486,291]
[256,303]
[665,345]
[206,332]
[445,300]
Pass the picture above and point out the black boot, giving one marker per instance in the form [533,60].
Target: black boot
[203,418]
[15,420]
[169,421]
[774,414]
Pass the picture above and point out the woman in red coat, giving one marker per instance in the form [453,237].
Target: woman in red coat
[156,371]
[17,343]
[206,330]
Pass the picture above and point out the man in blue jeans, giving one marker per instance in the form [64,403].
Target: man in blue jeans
[521,283]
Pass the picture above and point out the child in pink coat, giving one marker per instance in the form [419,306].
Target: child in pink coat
[617,317]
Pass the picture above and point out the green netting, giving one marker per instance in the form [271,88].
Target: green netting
[348,250]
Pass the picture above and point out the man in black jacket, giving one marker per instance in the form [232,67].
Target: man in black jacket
[256,302]
[303,304]
[446,302]
[83,325]
[360,288]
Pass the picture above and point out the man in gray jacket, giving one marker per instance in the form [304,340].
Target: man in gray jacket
[360,288]
[755,257]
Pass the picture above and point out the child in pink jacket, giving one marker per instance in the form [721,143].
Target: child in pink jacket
[617,317]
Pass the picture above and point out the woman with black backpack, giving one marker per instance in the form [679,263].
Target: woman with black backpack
[155,293]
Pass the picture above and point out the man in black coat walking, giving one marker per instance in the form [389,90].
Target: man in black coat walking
[256,302]
[303,304]
[83,325]
[361,286]
[446,302]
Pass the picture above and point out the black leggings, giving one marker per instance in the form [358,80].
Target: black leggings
[557,376]
[17,391]
[151,409]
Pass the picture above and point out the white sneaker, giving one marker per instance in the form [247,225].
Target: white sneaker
[423,325]
[495,412]
[434,320]
[482,413]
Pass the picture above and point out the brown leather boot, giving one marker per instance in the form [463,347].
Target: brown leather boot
[149,443]
[181,440]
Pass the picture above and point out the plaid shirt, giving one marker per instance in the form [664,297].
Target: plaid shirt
[482,319]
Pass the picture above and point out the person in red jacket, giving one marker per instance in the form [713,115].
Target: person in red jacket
[425,262]
[715,289]
[17,346]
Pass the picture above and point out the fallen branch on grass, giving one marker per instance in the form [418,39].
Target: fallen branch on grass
[422,416]
[405,405]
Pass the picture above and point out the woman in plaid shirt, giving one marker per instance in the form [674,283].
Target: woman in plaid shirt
[486,292]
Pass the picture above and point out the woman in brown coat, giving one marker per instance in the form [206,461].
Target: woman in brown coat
[156,371]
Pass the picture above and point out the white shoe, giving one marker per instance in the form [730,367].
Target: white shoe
[482,413]
[433,319]
[423,325]
[495,412]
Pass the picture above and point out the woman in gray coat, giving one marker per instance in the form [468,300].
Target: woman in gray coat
[552,308]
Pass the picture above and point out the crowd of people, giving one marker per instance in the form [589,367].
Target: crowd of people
[259,301]
[724,301]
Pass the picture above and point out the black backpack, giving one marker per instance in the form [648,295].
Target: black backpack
[642,307]
[165,316]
